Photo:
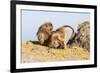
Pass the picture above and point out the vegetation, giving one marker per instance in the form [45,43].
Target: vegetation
[32,52]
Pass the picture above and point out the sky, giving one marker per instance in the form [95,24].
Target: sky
[31,20]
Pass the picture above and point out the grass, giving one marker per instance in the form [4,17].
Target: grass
[37,53]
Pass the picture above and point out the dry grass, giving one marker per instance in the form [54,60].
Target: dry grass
[37,53]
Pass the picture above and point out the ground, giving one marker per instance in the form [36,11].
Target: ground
[36,53]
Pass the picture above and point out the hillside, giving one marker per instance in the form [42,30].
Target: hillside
[32,52]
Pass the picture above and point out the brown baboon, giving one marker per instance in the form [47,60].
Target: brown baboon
[44,32]
[82,37]
[58,38]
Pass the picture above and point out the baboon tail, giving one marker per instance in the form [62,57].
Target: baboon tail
[73,32]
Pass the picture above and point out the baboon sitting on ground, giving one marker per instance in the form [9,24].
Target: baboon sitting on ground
[82,37]
[44,32]
[58,38]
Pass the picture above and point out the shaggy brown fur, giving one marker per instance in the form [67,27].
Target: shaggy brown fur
[58,38]
[82,37]
[44,32]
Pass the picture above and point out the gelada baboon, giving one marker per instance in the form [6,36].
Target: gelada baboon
[44,32]
[82,37]
[58,38]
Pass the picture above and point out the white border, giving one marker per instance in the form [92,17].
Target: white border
[51,64]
